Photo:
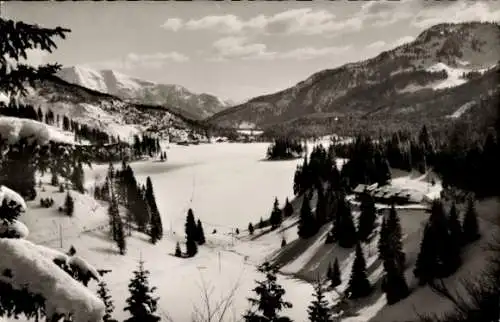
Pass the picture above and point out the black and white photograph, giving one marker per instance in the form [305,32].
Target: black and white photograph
[250,161]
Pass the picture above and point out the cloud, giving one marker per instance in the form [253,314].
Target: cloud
[458,12]
[376,45]
[134,60]
[232,48]
[382,45]
[305,21]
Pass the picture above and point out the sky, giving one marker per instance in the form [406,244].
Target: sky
[235,50]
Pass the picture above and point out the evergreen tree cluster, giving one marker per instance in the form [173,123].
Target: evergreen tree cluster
[194,234]
[443,240]
[146,145]
[284,148]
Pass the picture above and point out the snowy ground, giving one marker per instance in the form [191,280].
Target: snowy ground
[227,185]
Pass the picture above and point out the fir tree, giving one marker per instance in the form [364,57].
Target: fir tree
[250,229]
[269,301]
[200,234]
[321,207]
[275,218]
[178,252]
[69,205]
[156,229]
[335,277]
[319,310]
[261,223]
[190,229]
[359,286]
[114,215]
[141,304]
[307,225]
[367,217]
[470,226]
[120,236]
[288,209]
[54,179]
[283,242]
[103,293]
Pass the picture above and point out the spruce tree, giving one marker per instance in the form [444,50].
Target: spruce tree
[190,229]
[103,293]
[69,205]
[120,236]
[178,252]
[359,286]
[367,217]
[394,283]
[321,207]
[319,310]
[200,234]
[269,301]
[156,226]
[383,238]
[141,304]
[394,246]
[261,223]
[335,278]
[250,229]
[307,225]
[456,233]
[114,215]
[288,209]
[77,178]
[275,218]
[347,235]
[425,265]
[470,226]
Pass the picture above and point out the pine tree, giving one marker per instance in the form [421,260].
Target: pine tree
[69,205]
[359,286]
[288,209]
[269,301]
[367,217]
[141,304]
[394,246]
[319,310]
[307,225]
[470,226]
[456,233]
[335,277]
[103,293]
[321,207]
[250,229]
[190,229]
[275,218]
[156,229]
[178,252]
[200,234]
[114,215]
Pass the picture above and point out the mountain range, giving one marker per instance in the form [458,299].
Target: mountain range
[144,92]
[444,69]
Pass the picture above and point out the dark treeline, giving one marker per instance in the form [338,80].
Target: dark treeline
[284,148]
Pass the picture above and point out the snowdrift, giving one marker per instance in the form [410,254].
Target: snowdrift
[12,196]
[40,275]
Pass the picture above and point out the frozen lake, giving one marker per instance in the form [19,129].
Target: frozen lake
[226,184]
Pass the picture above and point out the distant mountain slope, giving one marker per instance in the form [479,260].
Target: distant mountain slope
[143,92]
[107,112]
[408,81]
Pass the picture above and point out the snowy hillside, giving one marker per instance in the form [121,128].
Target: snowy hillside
[144,92]
[106,112]
[13,129]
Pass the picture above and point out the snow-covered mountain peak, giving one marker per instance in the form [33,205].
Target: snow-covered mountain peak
[143,91]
